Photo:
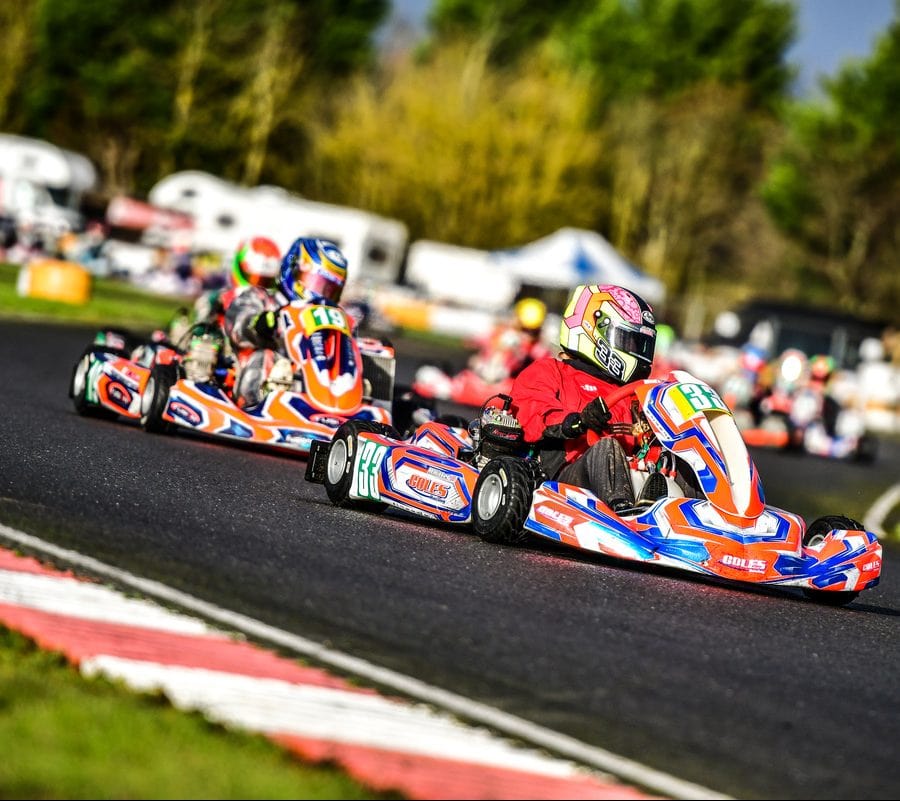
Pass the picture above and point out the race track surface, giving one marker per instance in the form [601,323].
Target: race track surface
[750,692]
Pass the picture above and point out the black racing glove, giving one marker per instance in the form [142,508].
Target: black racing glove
[572,426]
[264,325]
[596,415]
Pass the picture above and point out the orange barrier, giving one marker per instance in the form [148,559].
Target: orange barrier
[53,279]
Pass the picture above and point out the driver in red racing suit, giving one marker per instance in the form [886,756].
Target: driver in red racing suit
[607,336]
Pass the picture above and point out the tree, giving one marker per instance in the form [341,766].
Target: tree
[465,153]
[17,24]
[832,190]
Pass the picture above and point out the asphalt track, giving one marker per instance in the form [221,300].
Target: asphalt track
[753,693]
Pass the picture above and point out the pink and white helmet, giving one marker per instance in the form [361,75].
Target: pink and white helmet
[612,328]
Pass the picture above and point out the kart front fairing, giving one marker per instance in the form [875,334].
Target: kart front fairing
[283,419]
[326,358]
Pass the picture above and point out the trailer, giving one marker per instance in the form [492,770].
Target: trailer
[225,213]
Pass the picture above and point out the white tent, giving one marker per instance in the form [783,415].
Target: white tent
[573,256]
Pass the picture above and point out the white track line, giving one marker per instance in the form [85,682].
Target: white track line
[874,519]
[623,768]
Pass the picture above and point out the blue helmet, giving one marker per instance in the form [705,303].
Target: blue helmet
[313,270]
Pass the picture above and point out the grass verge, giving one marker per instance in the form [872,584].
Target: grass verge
[65,736]
[112,303]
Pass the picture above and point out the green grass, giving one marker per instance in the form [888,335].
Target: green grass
[112,303]
[65,736]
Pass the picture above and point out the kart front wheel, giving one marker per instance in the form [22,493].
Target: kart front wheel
[156,398]
[502,500]
[338,477]
[78,389]
[816,533]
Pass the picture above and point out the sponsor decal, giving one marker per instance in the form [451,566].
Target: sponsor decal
[426,486]
[589,387]
[874,564]
[129,376]
[326,420]
[296,438]
[119,394]
[648,317]
[554,514]
[740,563]
[434,471]
[184,412]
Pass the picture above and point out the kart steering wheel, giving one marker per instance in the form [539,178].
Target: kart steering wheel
[616,396]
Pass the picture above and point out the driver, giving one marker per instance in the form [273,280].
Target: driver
[607,336]
[313,271]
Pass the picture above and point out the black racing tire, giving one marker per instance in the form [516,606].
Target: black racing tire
[338,476]
[814,533]
[156,397]
[78,386]
[502,499]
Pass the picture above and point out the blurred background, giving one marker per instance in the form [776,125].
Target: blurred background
[711,154]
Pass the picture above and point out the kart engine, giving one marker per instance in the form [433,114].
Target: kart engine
[495,433]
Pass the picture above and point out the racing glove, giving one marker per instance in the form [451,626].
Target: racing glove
[572,426]
[595,415]
[264,325]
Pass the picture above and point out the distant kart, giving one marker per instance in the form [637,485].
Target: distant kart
[796,422]
[333,378]
[466,387]
[719,526]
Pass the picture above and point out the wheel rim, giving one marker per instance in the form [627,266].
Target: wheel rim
[490,496]
[337,461]
[147,397]
[80,378]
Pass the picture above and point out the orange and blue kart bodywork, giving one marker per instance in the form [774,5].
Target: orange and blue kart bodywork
[146,384]
[728,531]
[429,474]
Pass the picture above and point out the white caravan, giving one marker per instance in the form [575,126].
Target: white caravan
[41,185]
[224,213]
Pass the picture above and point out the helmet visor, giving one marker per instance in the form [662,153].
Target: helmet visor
[639,343]
[328,287]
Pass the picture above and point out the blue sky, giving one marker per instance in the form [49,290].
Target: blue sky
[829,32]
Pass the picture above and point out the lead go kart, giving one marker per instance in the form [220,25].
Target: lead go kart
[706,515]
[327,376]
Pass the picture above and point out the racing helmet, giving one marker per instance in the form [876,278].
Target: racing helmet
[313,270]
[821,368]
[611,328]
[256,263]
[530,314]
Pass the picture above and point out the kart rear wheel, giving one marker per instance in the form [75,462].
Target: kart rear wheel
[156,398]
[78,389]
[341,456]
[814,534]
[502,500]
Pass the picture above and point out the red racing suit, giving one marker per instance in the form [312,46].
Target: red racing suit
[548,390]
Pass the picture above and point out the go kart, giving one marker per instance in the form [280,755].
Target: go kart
[331,377]
[431,473]
[705,513]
